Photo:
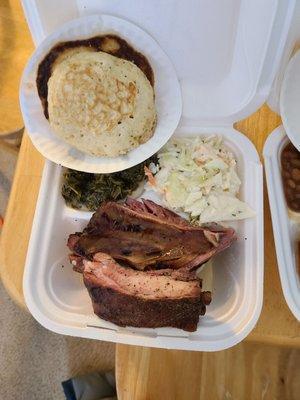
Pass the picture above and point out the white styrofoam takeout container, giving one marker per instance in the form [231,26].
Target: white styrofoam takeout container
[58,299]
[285,223]
[226,55]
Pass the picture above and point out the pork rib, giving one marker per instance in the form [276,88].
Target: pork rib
[148,299]
[144,235]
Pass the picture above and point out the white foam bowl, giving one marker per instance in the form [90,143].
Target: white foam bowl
[285,223]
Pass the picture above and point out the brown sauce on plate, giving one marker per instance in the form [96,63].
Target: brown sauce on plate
[110,44]
[290,172]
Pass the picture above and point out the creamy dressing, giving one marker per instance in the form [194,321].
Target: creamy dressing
[198,176]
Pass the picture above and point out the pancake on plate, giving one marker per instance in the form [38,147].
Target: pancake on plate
[95,98]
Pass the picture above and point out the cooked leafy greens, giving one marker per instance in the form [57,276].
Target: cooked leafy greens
[85,190]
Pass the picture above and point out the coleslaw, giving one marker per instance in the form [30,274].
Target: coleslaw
[198,176]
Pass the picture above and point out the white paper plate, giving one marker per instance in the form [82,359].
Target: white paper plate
[167,96]
[290,100]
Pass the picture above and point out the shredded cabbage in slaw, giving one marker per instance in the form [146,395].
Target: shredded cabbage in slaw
[198,176]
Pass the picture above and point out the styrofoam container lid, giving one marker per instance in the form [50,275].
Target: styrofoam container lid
[225,66]
[290,100]
[289,48]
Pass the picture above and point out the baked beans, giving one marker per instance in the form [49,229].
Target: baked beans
[290,171]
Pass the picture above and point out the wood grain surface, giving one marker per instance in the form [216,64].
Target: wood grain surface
[15,47]
[245,372]
[18,219]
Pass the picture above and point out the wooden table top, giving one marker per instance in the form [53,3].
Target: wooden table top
[15,47]
[248,371]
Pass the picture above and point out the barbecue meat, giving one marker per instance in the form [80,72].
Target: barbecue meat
[138,261]
[144,235]
[149,299]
